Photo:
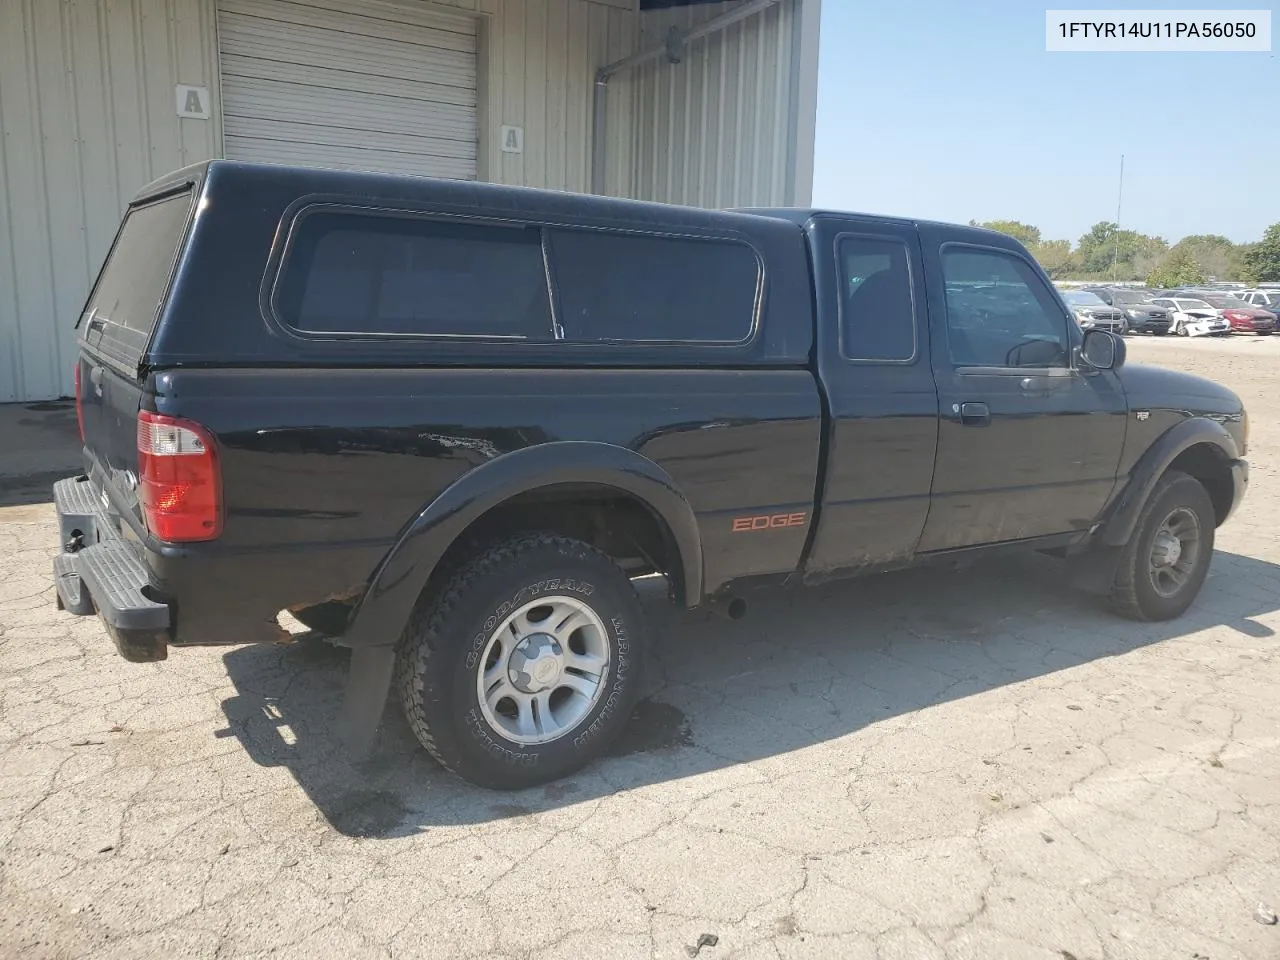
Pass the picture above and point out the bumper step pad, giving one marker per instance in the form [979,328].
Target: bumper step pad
[118,581]
[77,510]
[99,572]
[72,595]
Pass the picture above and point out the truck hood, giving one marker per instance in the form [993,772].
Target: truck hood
[1162,389]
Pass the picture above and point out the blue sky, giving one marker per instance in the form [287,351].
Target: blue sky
[953,110]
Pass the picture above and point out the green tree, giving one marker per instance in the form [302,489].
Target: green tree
[1107,248]
[1096,248]
[1240,269]
[1055,257]
[1262,261]
[1213,252]
[1024,233]
[1179,269]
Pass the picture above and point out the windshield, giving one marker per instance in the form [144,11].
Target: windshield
[1229,303]
[1193,305]
[1079,298]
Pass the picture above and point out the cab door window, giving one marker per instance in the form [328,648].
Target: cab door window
[1000,313]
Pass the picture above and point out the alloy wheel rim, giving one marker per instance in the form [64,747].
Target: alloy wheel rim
[1175,550]
[544,668]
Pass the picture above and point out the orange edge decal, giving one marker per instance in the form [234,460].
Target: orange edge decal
[773,521]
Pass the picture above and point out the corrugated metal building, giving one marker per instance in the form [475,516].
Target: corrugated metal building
[675,100]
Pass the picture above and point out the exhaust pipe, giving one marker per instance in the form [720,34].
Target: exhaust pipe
[729,608]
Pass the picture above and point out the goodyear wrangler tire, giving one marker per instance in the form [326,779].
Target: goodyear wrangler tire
[526,665]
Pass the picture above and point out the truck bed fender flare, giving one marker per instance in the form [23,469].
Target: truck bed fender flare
[385,608]
[1122,517]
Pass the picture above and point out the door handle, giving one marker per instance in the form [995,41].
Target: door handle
[974,414]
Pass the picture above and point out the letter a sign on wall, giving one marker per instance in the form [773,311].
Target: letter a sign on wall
[192,102]
[512,139]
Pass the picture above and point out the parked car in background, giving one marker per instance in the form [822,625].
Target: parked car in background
[1242,315]
[1093,313]
[1192,317]
[1142,315]
[1266,299]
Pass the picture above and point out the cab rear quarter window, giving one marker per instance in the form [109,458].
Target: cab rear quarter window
[877,311]
[350,273]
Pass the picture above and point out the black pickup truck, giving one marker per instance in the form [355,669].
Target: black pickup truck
[447,424]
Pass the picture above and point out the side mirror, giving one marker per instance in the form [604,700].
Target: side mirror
[1103,350]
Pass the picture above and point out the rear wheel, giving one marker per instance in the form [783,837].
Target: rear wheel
[1166,560]
[526,665]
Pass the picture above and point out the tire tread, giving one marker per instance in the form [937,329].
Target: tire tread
[427,625]
[1124,589]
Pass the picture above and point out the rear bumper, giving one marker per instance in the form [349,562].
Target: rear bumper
[154,596]
[98,572]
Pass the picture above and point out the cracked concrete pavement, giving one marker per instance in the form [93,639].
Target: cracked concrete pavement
[931,764]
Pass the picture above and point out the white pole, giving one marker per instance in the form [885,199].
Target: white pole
[1115,254]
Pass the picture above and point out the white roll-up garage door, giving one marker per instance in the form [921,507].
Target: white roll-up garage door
[357,84]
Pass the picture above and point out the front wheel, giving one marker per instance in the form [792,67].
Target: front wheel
[526,665]
[1164,564]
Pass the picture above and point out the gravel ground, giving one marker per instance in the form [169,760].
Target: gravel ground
[930,764]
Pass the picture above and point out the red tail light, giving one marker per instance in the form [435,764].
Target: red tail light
[179,483]
[79,404]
